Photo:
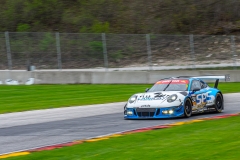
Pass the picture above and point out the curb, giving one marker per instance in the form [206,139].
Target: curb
[94,139]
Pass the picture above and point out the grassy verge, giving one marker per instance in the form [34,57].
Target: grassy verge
[22,98]
[215,139]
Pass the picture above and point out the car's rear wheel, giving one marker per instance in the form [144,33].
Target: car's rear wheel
[218,103]
[188,108]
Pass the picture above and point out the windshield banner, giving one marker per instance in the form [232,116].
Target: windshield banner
[175,81]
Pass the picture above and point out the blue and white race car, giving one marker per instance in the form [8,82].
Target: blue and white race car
[176,97]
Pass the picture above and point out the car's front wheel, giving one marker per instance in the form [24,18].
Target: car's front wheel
[218,103]
[125,109]
[188,108]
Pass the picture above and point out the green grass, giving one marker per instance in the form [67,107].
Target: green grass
[216,139]
[23,98]
[228,87]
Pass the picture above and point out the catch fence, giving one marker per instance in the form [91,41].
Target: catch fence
[19,50]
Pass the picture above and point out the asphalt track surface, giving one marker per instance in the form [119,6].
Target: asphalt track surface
[33,129]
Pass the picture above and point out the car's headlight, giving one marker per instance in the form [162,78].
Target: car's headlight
[172,98]
[170,111]
[129,113]
[132,99]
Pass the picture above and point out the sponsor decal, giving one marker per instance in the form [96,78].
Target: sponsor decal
[157,96]
[202,99]
[210,98]
[163,82]
[145,106]
[176,81]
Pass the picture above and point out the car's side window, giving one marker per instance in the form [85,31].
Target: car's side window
[195,84]
[203,85]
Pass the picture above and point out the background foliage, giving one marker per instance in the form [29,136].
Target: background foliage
[121,16]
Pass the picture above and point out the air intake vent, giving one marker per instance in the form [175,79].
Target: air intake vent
[146,112]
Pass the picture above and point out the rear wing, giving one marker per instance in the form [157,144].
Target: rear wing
[217,78]
[226,78]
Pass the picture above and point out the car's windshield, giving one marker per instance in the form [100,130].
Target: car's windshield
[170,85]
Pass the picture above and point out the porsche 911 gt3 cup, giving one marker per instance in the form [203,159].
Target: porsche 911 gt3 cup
[176,97]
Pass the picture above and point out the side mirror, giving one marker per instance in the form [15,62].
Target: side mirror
[196,89]
[146,89]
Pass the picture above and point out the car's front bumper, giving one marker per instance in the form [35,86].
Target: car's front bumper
[153,113]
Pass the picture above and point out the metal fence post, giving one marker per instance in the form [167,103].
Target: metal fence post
[9,57]
[233,52]
[149,51]
[192,51]
[105,56]
[59,58]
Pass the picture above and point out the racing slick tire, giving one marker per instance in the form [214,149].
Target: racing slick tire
[218,103]
[187,108]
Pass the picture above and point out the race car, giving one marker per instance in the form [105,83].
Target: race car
[176,97]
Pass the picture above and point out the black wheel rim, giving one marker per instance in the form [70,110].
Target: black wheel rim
[219,102]
[188,108]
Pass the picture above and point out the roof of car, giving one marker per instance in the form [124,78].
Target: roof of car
[182,77]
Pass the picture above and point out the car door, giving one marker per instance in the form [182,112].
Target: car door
[200,93]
